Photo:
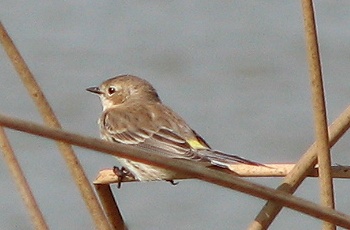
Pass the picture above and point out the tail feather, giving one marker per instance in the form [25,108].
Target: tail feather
[223,159]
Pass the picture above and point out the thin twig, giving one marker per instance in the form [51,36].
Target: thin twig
[51,120]
[21,182]
[300,171]
[319,108]
[110,206]
[280,170]
[108,176]
[270,210]
[189,168]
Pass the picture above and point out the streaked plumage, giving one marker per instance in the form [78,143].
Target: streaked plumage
[133,114]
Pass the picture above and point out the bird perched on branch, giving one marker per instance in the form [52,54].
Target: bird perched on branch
[133,114]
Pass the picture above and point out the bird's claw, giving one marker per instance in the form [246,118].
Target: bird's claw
[121,173]
[172,182]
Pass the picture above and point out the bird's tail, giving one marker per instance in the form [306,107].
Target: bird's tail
[223,159]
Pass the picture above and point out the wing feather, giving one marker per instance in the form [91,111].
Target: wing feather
[157,133]
[223,159]
[118,127]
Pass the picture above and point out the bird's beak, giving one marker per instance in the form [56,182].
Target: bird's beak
[94,90]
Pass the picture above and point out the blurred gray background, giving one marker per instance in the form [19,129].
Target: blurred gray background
[235,70]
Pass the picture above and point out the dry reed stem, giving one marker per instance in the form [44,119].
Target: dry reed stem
[300,171]
[292,181]
[189,168]
[110,206]
[319,108]
[280,170]
[21,182]
[107,176]
[51,120]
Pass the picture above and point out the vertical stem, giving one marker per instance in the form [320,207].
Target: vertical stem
[21,182]
[110,206]
[292,181]
[50,119]
[193,169]
[295,177]
[319,107]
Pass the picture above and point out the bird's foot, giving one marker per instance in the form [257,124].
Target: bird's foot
[172,182]
[121,173]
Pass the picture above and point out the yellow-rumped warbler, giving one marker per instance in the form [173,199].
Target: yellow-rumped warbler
[133,114]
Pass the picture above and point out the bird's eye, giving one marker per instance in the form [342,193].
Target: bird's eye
[111,90]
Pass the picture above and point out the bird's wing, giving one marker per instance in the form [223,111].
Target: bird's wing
[166,141]
[223,159]
[123,128]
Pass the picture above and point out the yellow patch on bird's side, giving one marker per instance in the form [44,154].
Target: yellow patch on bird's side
[194,143]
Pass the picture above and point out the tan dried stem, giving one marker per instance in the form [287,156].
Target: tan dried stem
[110,206]
[319,108]
[51,120]
[300,171]
[107,176]
[21,182]
[188,168]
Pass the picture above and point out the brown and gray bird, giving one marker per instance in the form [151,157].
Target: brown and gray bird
[133,114]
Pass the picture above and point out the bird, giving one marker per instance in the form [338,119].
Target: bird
[133,114]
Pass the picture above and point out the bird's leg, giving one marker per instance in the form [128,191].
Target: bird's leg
[121,173]
[172,182]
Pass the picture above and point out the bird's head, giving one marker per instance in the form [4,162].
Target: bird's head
[123,89]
